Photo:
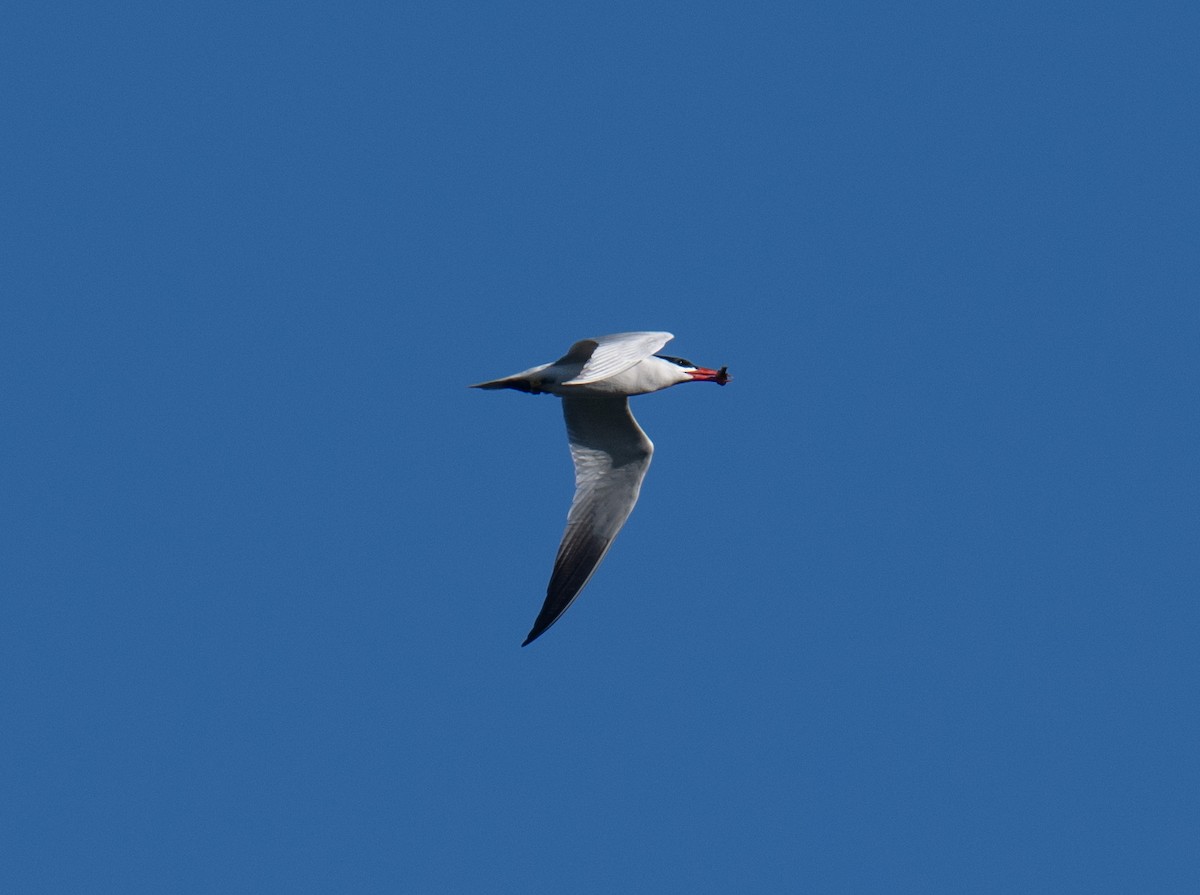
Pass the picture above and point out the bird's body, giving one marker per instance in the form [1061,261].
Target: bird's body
[595,378]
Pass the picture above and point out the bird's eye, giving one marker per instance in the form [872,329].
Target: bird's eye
[678,361]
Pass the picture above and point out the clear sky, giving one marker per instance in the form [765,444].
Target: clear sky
[910,606]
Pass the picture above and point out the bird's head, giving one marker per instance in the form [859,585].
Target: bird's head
[686,371]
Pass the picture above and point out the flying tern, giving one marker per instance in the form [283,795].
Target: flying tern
[611,452]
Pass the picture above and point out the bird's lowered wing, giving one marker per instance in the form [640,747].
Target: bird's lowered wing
[606,356]
[611,454]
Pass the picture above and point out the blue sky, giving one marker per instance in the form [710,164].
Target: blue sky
[911,606]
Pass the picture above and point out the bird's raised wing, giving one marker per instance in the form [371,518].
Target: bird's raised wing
[611,454]
[606,356]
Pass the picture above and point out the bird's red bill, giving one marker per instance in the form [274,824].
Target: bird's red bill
[704,374]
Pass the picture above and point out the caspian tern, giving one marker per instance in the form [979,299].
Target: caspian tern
[611,452]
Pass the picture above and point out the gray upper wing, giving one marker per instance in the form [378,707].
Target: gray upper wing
[606,356]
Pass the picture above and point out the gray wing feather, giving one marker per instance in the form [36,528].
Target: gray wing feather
[611,454]
[607,356]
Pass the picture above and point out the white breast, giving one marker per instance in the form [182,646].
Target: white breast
[649,375]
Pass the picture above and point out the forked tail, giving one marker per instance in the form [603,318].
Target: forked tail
[521,385]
